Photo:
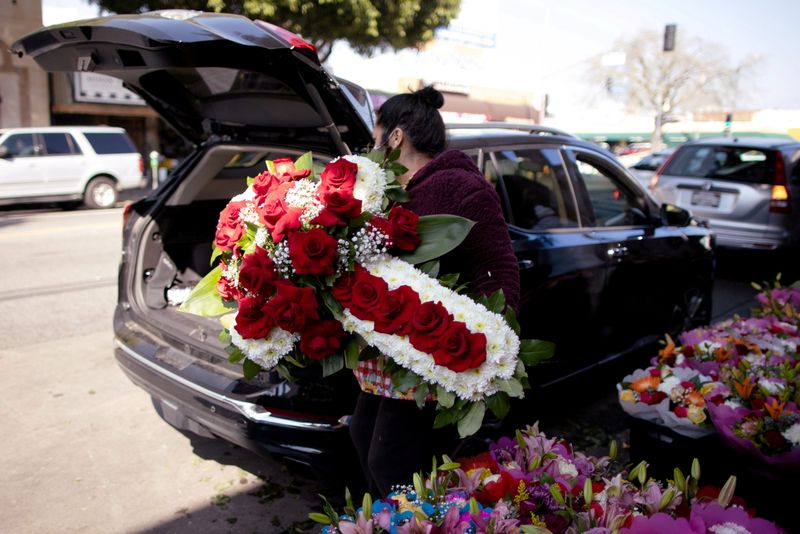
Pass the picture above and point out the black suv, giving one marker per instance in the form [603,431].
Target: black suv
[605,271]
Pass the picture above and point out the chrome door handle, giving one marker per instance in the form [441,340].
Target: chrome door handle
[525,264]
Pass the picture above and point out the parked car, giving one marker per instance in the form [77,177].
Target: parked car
[746,188]
[88,164]
[604,270]
[646,168]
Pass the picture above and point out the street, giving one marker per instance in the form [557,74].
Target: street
[83,449]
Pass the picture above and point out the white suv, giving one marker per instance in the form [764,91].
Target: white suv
[67,163]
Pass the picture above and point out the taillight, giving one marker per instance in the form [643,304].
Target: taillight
[779,201]
[141,165]
[290,37]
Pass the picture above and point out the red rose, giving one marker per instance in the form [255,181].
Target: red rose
[404,228]
[428,324]
[652,398]
[286,224]
[313,252]
[339,174]
[681,411]
[394,311]
[257,273]
[293,307]
[775,440]
[274,206]
[284,167]
[321,339]
[342,289]
[483,460]
[252,320]
[496,488]
[229,228]
[367,292]
[460,349]
[340,204]
[264,183]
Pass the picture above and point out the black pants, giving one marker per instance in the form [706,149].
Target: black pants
[394,439]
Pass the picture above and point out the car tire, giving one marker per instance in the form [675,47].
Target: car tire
[692,310]
[101,193]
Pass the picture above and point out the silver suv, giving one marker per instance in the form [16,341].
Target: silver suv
[88,164]
[746,188]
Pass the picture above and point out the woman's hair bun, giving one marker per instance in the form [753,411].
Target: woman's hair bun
[430,97]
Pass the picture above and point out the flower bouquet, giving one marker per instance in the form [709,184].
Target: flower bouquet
[325,265]
[533,484]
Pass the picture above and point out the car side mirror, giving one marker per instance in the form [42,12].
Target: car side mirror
[4,153]
[672,215]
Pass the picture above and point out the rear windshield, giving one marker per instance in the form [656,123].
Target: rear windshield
[111,143]
[734,163]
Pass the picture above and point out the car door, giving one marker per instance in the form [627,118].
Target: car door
[561,270]
[20,175]
[650,268]
[61,163]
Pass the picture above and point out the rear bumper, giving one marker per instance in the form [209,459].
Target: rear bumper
[209,411]
[753,237]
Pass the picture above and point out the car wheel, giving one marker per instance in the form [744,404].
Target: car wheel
[692,310]
[100,193]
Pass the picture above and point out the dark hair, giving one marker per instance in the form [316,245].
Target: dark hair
[418,115]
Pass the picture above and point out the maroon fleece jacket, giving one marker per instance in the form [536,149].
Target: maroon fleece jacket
[451,183]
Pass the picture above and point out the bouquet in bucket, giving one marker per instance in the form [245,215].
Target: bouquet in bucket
[327,266]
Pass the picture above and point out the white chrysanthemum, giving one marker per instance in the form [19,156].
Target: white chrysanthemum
[265,352]
[668,383]
[370,183]
[566,468]
[728,528]
[772,387]
[792,434]
[502,344]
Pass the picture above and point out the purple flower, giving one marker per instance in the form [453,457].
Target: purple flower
[713,514]
[661,523]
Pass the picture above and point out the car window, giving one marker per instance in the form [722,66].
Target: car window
[607,201]
[21,145]
[110,143]
[59,144]
[736,163]
[533,187]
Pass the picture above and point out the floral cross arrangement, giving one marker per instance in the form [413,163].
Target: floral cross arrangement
[326,265]
[739,378]
[536,485]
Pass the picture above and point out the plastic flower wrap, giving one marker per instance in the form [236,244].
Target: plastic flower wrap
[535,484]
[330,267]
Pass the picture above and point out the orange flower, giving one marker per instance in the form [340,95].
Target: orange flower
[745,389]
[722,354]
[696,399]
[775,409]
[745,347]
[645,383]
[667,353]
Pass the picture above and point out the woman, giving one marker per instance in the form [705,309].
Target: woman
[392,436]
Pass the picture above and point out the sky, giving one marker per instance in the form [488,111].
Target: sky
[544,46]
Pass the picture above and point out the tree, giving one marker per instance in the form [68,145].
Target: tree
[368,25]
[693,76]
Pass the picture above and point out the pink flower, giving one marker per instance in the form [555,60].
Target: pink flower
[661,523]
[713,514]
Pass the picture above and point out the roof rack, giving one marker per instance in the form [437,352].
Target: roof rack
[529,128]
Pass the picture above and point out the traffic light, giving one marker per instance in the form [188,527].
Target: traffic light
[669,37]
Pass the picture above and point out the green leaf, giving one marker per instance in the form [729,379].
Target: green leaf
[449,280]
[368,353]
[319,518]
[271,166]
[351,354]
[444,397]
[472,421]
[533,351]
[214,255]
[445,417]
[331,303]
[421,394]
[304,162]
[430,268]
[511,319]
[403,380]
[332,364]
[250,369]
[497,302]
[532,529]
[378,156]
[439,235]
[235,355]
[393,155]
[498,404]
[512,387]
[204,299]
[224,337]
[250,181]
[397,194]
